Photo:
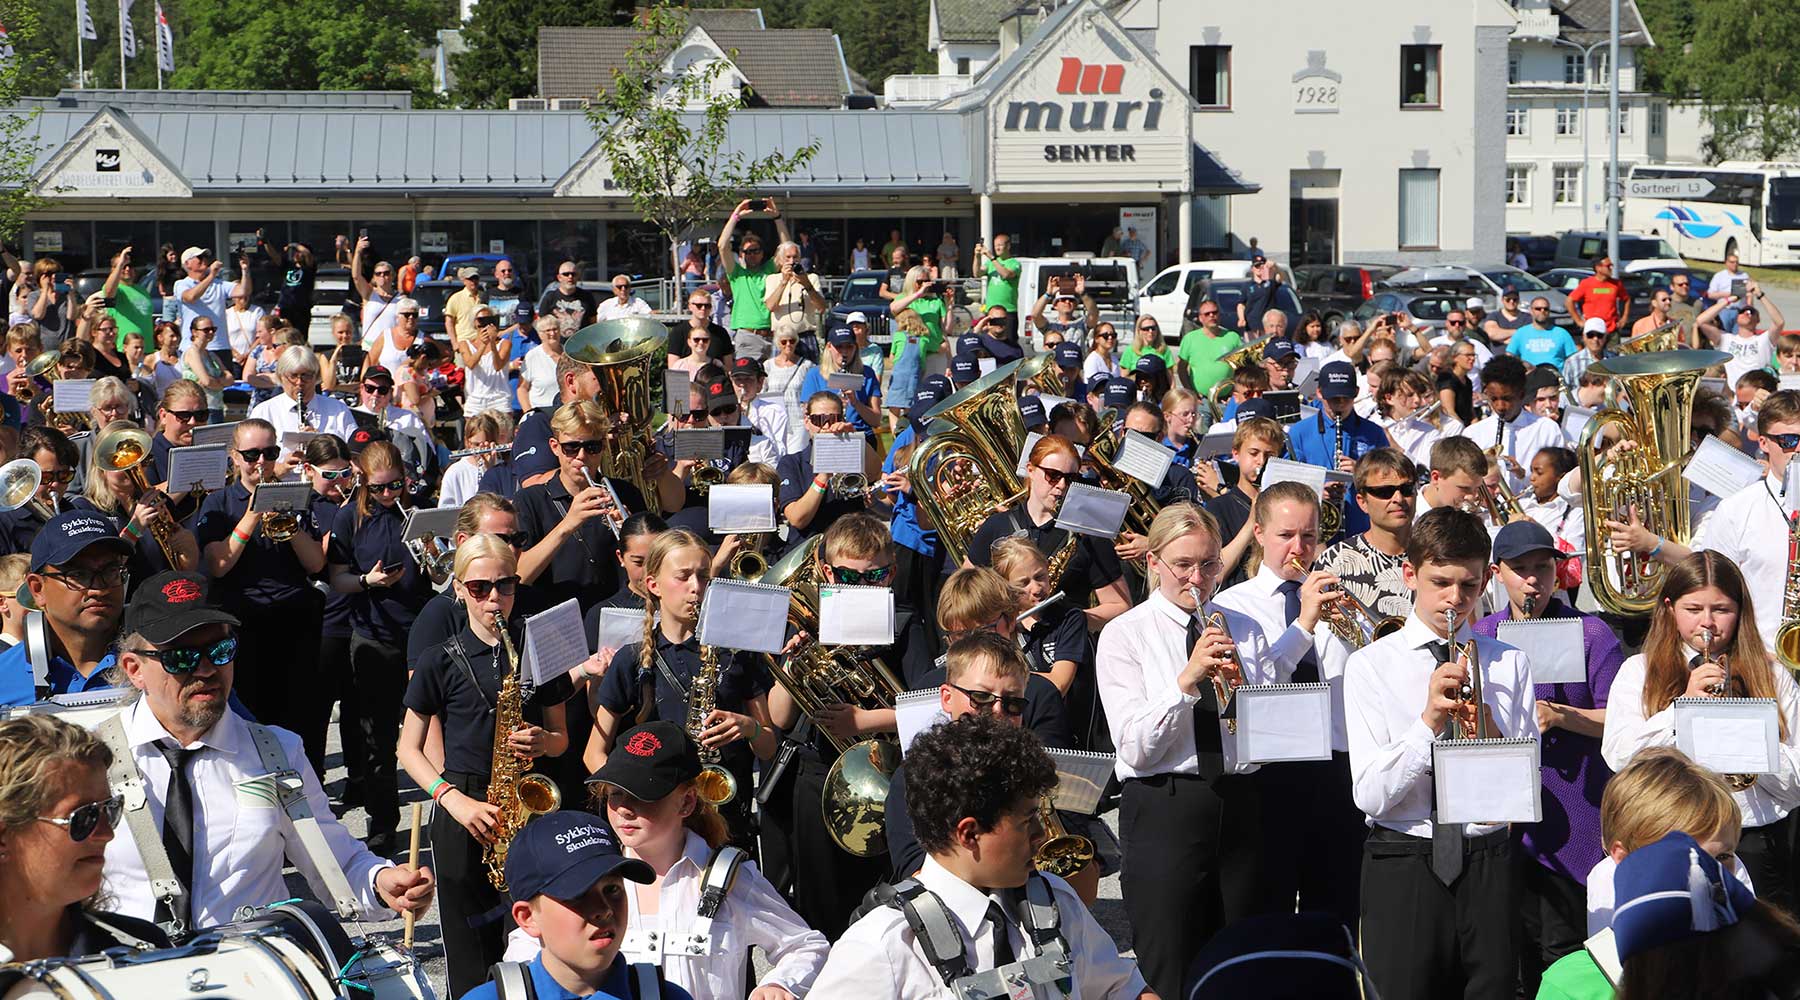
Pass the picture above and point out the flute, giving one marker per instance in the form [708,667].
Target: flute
[497,449]
[1039,606]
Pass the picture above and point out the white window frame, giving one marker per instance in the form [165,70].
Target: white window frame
[1624,118]
[1565,179]
[1600,70]
[1518,194]
[1659,124]
[1436,209]
[1568,120]
[1574,70]
[1518,120]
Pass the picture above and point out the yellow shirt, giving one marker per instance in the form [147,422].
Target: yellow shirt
[459,313]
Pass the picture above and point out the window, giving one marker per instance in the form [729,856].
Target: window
[1658,119]
[1568,119]
[1163,285]
[962,65]
[1566,184]
[1512,68]
[1418,208]
[1624,118]
[1209,75]
[1602,68]
[1518,185]
[1574,71]
[1516,120]
[1419,84]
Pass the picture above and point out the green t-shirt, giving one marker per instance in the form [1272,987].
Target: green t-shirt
[1128,360]
[930,309]
[1202,352]
[131,311]
[1575,977]
[747,291]
[1002,291]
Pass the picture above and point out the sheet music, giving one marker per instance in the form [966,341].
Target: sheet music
[1142,459]
[1306,377]
[915,712]
[738,614]
[1090,510]
[1720,469]
[215,433]
[1081,779]
[618,628]
[1729,735]
[1031,440]
[297,440]
[1281,722]
[280,496]
[1216,442]
[1789,380]
[1282,470]
[699,443]
[1487,781]
[834,454]
[203,464]
[72,395]
[986,366]
[437,522]
[856,616]
[1553,646]
[1575,419]
[675,391]
[740,508]
[844,381]
[554,642]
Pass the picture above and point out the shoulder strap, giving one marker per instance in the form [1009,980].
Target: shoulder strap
[646,981]
[934,929]
[721,872]
[512,981]
[37,649]
[123,777]
[292,792]
[1037,912]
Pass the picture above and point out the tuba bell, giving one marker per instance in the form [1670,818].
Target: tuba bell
[628,357]
[42,364]
[1661,388]
[963,469]
[19,482]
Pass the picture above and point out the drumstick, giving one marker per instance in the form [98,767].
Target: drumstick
[412,864]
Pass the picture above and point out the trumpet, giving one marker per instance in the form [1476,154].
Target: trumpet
[1352,620]
[1222,688]
[1737,782]
[433,558]
[615,518]
[1470,694]
[748,562]
[705,477]
[850,486]
[1062,853]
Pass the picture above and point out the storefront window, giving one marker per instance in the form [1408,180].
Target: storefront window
[182,235]
[438,237]
[636,248]
[265,274]
[70,243]
[830,253]
[321,237]
[571,240]
[389,241]
[517,239]
[111,237]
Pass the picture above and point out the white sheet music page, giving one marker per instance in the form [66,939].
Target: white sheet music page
[1487,781]
[203,464]
[1729,735]
[554,642]
[856,616]
[737,614]
[1142,459]
[740,508]
[1089,510]
[1281,722]
[915,712]
[1720,469]
[836,454]
[1554,647]
[619,627]
[72,395]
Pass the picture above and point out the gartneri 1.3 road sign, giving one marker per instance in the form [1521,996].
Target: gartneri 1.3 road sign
[1673,188]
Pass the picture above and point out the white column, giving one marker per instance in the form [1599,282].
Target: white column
[987,219]
[1184,228]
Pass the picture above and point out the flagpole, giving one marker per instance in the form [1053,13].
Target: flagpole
[123,14]
[80,72]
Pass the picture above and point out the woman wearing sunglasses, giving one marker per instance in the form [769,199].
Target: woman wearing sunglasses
[457,684]
[57,815]
[811,501]
[1102,355]
[484,358]
[369,562]
[1147,338]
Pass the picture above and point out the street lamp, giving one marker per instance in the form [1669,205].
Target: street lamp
[1612,121]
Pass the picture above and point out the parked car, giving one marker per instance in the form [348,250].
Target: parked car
[1486,283]
[1637,251]
[1639,285]
[1539,251]
[1697,279]
[1166,296]
[1334,291]
[862,293]
[1228,294]
[1425,307]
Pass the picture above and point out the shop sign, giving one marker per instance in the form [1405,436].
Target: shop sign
[1086,81]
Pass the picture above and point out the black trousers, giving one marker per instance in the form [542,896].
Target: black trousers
[380,673]
[917,580]
[1191,850]
[1768,853]
[1552,912]
[1310,820]
[1423,940]
[278,675]
[824,881]
[466,899]
[340,684]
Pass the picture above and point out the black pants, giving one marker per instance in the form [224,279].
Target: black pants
[1190,852]
[1310,820]
[1768,853]
[278,675]
[917,580]
[466,899]
[1423,940]
[380,672]
[824,881]
[1552,912]
[340,685]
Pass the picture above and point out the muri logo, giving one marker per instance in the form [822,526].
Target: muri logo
[1089,78]
[1079,79]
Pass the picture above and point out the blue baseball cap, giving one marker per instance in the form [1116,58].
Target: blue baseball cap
[1254,407]
[1337,381]
[932,390]
[1521,538]
[1096,384]
[1118,394]
[842,336]
[69,534]
[1279,350]
[1150,364]
[964,369]
[562,854]
[1068,355]
[969,343]
[1031,410]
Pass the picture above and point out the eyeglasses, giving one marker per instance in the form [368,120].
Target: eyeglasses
[1054,476]
[57,475]
[392,487]
[269,454]
[1184,569]
[873,575]
[197,328]
[984,701]
[333,475]
[1540,309]
[480,589]
[573,448]
[824,419]
[105,578]
[1787,442]
[1386,492]
[84,820]
[186,659]
[724,411]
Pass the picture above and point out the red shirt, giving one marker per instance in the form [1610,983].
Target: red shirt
[1597,296]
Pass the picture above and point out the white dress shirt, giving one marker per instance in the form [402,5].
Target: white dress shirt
[1385,688]
[753,914]
[878,956]
[1416,437]
[326,414]
[1140,655]
[1749,528]
[1524,437]
[1564,520]
[612,308]
[1628,731]
[462,480]
[1257,599]
[241,835]
[769,415]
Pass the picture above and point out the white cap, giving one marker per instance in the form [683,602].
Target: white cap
[1594,324]
[856,317]
[1474,303]
[190,253]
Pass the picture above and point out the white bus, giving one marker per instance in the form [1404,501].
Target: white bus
[1752,210]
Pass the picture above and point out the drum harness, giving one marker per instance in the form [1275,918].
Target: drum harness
[935,930]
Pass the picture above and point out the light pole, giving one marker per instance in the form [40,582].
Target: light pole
[1612,138]
[1587,88]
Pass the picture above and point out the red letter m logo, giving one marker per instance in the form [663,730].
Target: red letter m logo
[1089,78]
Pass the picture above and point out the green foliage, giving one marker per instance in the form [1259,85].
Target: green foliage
[664,137]
[880,39]
[502,38]
[1663,68]
[19,145]
[305,45]
[1749,82]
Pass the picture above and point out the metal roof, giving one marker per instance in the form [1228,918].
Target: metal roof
[392,100]
[505,152]
[785,67]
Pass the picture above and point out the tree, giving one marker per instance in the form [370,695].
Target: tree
[664,135]
[19,145]
[502,38]
[308,45]
[1748,80]
[1663,69]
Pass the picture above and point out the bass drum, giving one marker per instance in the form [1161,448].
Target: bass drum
[291,951]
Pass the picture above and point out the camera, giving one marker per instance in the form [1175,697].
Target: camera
[756,205]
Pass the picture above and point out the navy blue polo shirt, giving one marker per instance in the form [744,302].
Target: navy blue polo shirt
[383,614]
[159,458]
[531,452]
[500,479]
[1093,565]
[1061,633]
[17,529]
[16,682]
[741,678]
[796,473]
[462,695]
[587,566]
[336,623]
[267,572]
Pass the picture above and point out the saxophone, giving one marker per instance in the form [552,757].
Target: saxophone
[715,785]
[1787,636]
[519,795]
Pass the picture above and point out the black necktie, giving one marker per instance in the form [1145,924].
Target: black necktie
[1207,743]
[1307,670]
[178,816]
[1446,838]
[1003,949]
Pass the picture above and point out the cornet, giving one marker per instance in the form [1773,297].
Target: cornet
[1222,688]
[615,518]
[1737,782]
[1470,693]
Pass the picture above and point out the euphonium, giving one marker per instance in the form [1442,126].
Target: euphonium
[125,449]
[1663,338]
[1471,686]
[1661,388]
[518,794]
[1062,853]
[1787,636]
[1100,454]
[962,471]
[714,784]
[1249,354]
[628,357]
[1041,376]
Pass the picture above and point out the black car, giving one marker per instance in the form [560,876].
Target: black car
[862,293]
[1578,249]
[1539,251]
[1229,294]
[1334,291]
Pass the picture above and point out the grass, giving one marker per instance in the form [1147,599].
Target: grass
[1773,277]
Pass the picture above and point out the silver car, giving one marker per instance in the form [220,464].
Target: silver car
[1485,283]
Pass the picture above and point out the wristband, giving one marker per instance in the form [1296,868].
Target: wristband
[238,533]
[435,786]
[757,735]
[821,482]
[132,529]
[1659,544]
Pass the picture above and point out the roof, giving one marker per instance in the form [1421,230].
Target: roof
[502,152]
[785,67]
[976,21]
[392,100]
[998,72]
[1589,21]
[1212,176]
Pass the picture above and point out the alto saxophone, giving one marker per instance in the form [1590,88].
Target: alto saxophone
[715,785]
[518,794]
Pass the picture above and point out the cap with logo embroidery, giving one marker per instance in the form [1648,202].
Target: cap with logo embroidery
[169,605]
[69,534]
[650,762]
[1337,380]
[720,393]
[562,854]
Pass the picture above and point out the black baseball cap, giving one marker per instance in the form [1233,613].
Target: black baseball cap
[969,343]
[562,854]
[650,761]
[964,370]
[932,390]
[1521,538]
[720,393]
[377,373]
[843,336]
[1068,354]
[169,605]
[746,365]
[1337,380]
[69,534]
[1031,410]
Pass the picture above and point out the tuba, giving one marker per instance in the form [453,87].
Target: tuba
[1663,338]
[519,795]
[628,357]
[1249,354]
[815,675]
[1040,376]
[1661,388]
[963,469]
[124,448]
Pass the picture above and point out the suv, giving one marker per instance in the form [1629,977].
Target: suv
[1228,294]
[1166,295]
[1637,251]
[1336,290]
[862,293]
[1486,283]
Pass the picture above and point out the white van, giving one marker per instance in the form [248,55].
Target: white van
[1110,280]
[1166,295]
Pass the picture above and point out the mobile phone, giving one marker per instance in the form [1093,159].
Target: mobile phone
[755,205]
[1740,287]
[362,234]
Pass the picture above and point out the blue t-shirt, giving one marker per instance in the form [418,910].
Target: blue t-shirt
[616,987]
[16,687]
[905,528]
[871,389]
[1537,346]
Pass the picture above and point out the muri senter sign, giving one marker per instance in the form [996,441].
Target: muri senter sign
[1092,113]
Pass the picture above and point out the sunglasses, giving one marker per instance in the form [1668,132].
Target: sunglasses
[1453,322]
[486,321]
[333,475]
[874,575]
[824,419]
[616,287]
[1149,326]
[565,274]
[695,416]
[1106,336]
[82,823]
[1054,476]
[699,305]
[573,448]
[197,328]
[480,589]
[724,411]
[1209,312]
[1387,492]
[186,659]
[393,487]
[57,475]
[409,315]
[382,274]
[269,454]
[517,539]
[377,390]
[984,701]
[1787,442]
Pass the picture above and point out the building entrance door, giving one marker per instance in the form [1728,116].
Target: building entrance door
[1312,233]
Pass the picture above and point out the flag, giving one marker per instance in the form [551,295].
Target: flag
[84,22]
[165,42]
[127,34]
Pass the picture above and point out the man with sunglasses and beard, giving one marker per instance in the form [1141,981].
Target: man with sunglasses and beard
[77,577]
[194,758]
[1367,565]
[266,583]
[571,548]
